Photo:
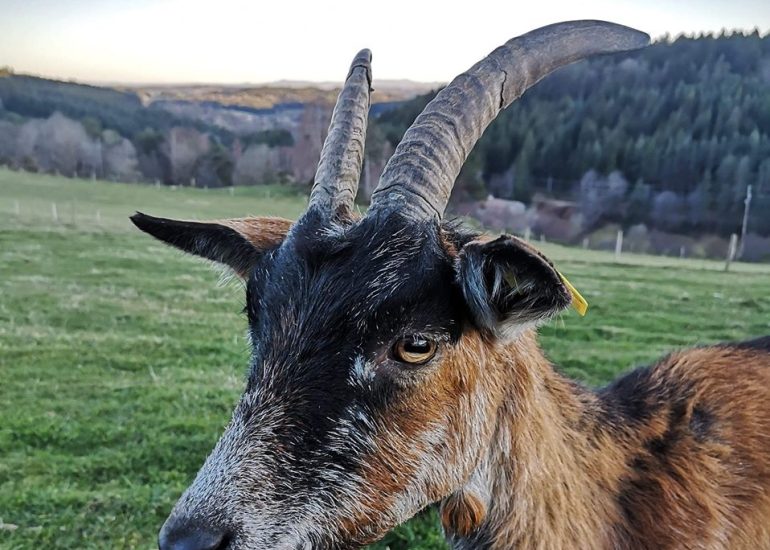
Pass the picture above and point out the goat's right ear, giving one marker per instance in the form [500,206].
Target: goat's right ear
[237,243]
[509,285]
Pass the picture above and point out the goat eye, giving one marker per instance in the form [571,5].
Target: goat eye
[415,350]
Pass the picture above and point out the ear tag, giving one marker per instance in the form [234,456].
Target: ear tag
[578,302]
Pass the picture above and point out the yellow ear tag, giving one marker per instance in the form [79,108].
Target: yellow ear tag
[578,302]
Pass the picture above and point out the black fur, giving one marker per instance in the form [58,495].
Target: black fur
[486,273]
[212,241]
[758,344]
[632,398]
[701,424]
[480,540]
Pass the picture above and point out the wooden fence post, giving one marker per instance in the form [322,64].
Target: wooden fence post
[619,244]
[731,251]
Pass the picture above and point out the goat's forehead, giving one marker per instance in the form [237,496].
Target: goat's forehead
[367,263]
[366,242]
[333,298]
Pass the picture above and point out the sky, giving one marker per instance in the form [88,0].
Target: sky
[236,41]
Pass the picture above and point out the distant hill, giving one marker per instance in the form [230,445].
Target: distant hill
[265,96]
[118,110]
[260,97]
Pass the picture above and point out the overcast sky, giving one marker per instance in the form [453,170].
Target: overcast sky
[230,41]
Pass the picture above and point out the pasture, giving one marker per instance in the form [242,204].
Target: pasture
[121,358]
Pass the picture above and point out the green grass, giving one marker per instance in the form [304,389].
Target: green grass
[121,359]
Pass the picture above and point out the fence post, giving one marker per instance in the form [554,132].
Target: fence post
[98,216]
[54,212]
[585,243]
[619,244]
[527,233]
[16,208]
[744,225]
[731,251]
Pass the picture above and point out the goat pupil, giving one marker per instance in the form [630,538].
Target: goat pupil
[417,345]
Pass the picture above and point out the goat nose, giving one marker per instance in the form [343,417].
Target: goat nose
[179,536]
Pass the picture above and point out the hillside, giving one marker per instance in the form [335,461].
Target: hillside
[121,111]
[179,135]
[683,127]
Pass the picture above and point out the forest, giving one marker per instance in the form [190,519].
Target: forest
[670,136]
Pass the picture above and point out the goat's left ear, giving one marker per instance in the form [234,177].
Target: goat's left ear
[509,285]
[237,243]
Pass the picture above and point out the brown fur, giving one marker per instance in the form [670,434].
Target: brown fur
[409,447]
[462,513]
[264,232]
[567,470]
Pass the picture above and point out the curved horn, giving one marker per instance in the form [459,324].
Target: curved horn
[418,178]
[336,179]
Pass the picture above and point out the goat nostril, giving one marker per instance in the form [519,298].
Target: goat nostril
[192,537]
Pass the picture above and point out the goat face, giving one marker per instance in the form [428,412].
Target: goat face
[369,394]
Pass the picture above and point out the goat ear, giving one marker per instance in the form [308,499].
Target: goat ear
[509,285]
[237,243]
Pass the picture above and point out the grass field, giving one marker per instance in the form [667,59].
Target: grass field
[121,359]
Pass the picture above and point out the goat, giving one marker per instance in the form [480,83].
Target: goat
[394,365]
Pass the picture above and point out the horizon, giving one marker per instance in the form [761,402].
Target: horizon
[323,84]
[172,42]
[287,83]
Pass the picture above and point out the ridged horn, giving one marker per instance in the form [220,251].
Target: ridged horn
[418,178]
[342,155]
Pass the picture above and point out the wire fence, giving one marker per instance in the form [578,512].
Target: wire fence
[85,216]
